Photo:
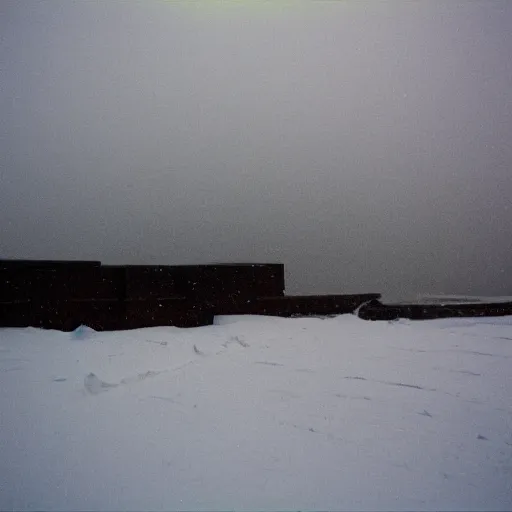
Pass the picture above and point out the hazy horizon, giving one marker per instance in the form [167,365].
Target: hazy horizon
[364,144]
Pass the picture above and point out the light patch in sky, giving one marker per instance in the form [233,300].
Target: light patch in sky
[253,6]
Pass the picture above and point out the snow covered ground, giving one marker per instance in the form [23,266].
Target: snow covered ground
[258,413]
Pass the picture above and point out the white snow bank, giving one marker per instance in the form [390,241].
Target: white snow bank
[259,413]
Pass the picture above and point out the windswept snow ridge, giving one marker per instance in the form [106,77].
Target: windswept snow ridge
[259,413]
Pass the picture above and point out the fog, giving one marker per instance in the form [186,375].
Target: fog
[364,144]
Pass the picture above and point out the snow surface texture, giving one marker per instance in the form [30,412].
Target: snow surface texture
[259,413]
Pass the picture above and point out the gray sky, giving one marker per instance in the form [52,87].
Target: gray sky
[365,144]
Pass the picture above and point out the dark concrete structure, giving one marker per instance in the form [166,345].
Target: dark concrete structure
[65,294]
[375,310]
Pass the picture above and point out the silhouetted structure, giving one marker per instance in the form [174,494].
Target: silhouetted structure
[65,294]
[375,310]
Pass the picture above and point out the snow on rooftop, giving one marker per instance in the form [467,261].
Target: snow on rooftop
[456,299]
[259,413]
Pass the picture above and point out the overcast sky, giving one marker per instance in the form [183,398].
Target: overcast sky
[365,144]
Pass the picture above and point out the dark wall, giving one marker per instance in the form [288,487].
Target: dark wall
[63,295]
[375,310]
